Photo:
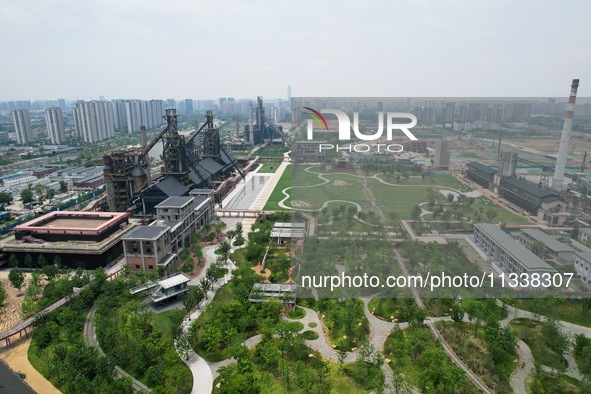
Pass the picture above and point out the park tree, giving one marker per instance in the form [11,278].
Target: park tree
[28,261]
[5,198]
[13,260]
[16,278]
[238,230]
[538,247]
[63,186]
[450,197]
[457,312]
[26,196]
[416,212]
[41,261]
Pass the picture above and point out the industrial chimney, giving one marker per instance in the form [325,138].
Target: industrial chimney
[565,139]
[143,137]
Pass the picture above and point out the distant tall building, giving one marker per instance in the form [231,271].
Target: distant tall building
[62,104]
[441,154]
[189,106]
[119,116]
[22,125]
[54,118]
[143,113]
[94,120]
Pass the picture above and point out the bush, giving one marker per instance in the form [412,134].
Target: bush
[209,237]
[239,241]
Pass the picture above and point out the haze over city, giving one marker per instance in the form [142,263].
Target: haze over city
[213,49]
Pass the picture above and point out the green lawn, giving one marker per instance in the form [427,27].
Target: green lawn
[396,197]
[269,167]
[548,384]
[572,311]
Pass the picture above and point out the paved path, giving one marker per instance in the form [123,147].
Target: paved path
[202,374]
[518,378]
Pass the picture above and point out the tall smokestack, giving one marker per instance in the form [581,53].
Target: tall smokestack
[143,137]
[565,139]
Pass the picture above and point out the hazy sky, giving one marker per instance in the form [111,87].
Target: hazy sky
[209,49]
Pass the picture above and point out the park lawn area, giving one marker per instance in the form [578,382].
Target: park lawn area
[552,384]
[472,351]
[502,214]
[572,311]
[269,167]
[238,256]
[298,313]
[284,182]
[530,332]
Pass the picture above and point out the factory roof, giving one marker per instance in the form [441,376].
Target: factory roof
[146,232]
[482,167]
[586,230]
[584,255]
[525,257]
[210,165]
[175,202]
[529,187]
[550,242]
[172,187]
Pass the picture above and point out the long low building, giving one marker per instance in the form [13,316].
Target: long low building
[505,253]
[552,247]
[481,174]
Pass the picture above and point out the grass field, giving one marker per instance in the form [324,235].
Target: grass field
[572,311]
[393,197]
[269,167]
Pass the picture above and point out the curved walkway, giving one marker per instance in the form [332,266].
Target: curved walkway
[518,378]
[203,375]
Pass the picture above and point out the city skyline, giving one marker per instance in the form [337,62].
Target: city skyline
[424,48]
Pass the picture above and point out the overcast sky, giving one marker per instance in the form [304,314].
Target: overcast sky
[208,49]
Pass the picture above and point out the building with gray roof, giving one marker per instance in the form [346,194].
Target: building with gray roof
[505,253]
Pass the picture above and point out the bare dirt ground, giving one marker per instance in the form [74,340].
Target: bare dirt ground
[10,314]
[16,357]
[552,145]
[259,268]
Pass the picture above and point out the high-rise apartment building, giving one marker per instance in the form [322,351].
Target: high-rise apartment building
[22,125]
[94,120]
[54,119]
[189,106]
[143,113]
